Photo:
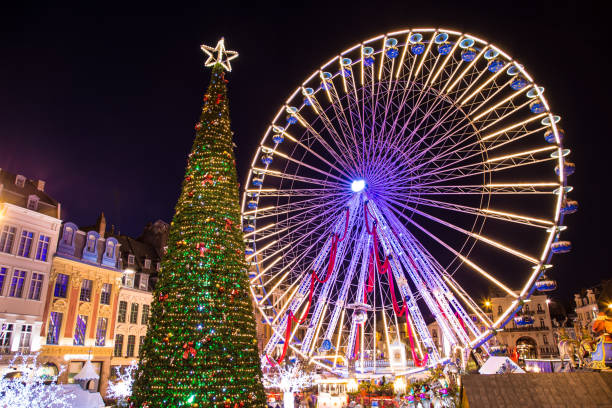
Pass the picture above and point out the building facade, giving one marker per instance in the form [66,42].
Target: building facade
[82,302]
[535,340]
[29,228]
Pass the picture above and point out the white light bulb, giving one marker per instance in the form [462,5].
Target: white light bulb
[358,185]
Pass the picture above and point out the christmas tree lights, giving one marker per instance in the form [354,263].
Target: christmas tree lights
[201,346]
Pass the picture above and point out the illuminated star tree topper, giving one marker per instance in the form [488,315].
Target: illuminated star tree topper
[219,55]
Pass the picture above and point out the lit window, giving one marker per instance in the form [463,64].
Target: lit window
[80,330]
[122,311]
[68,234]
[43,248]
[131,259]
[20,180]
[145,314]
[134,313]
[545,339]
[7,238]
[3,273]
[542,323]
[25,338]
[101,331]
[499,310]
[6,333]
[25,243]
[16,289]
[35,286]
[143,283]
[110,249]
[118,345]
[61,286]
[91,243]
[33,203]
[55,324]
[86,290]
[131,345]
[147,264]
[105,295]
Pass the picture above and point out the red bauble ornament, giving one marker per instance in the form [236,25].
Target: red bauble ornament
[198,126]
[189,350]
[191,194]
[208,178]
[228,224]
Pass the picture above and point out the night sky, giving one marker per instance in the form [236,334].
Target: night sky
[100,101]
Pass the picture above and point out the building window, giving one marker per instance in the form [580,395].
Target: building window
[80,330]
[105,295]
[131,259]
[86,290]
[540,308]
[131,345]
[542,323]
[140,344]
[91,243]
[7,238]
[20,181]
[55,324]
[544,339]
[145,314]
[147,264]
[61,286]
[128,278]
[3,273]
[499,310]
[118,345]
[122,311]
[43,248]
[68,234]
[5,338]
[527,308]
[134,313]
[25,243]
[110,249]
[101,331]
[16,289]
[25,338]
[36,286]
[33,203]
[143,281]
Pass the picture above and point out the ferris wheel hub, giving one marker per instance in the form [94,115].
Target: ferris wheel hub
[358,185]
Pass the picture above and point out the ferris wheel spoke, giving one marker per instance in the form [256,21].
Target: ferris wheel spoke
[443,66]
[485,85]
[312,203]
[465,71]
[296,192]
[475,107]
[295,177]
[484,212]
[464,259]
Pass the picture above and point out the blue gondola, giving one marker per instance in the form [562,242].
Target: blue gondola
[466,43]
[495,65]
[549,135]
[561,247]
[569,207]
[368,61]
[257,181]
[326,345]
[249,228]
[546,285]
[441,38]
[537,106]
[445,48]
[468,55]
[568,169]
[249,250]
[392,52]
[417,49]
[325,85]
[291,120]
[278,138]
[252,274]
[266,159]
[251,205]
[490,54]
[346,72]
[518,83]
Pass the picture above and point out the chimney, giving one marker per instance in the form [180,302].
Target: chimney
[578,300]
[40,185]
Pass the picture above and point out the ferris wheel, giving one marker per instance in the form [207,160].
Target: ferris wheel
[404,173]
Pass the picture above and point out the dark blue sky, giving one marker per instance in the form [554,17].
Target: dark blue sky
[100,100]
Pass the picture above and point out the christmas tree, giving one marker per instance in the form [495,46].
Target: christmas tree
[201,347]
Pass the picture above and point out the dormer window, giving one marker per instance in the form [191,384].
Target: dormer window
[20,181]
[33,202]
[131,259]
[147,264]
[68,234]
[110,249]
[91,243]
